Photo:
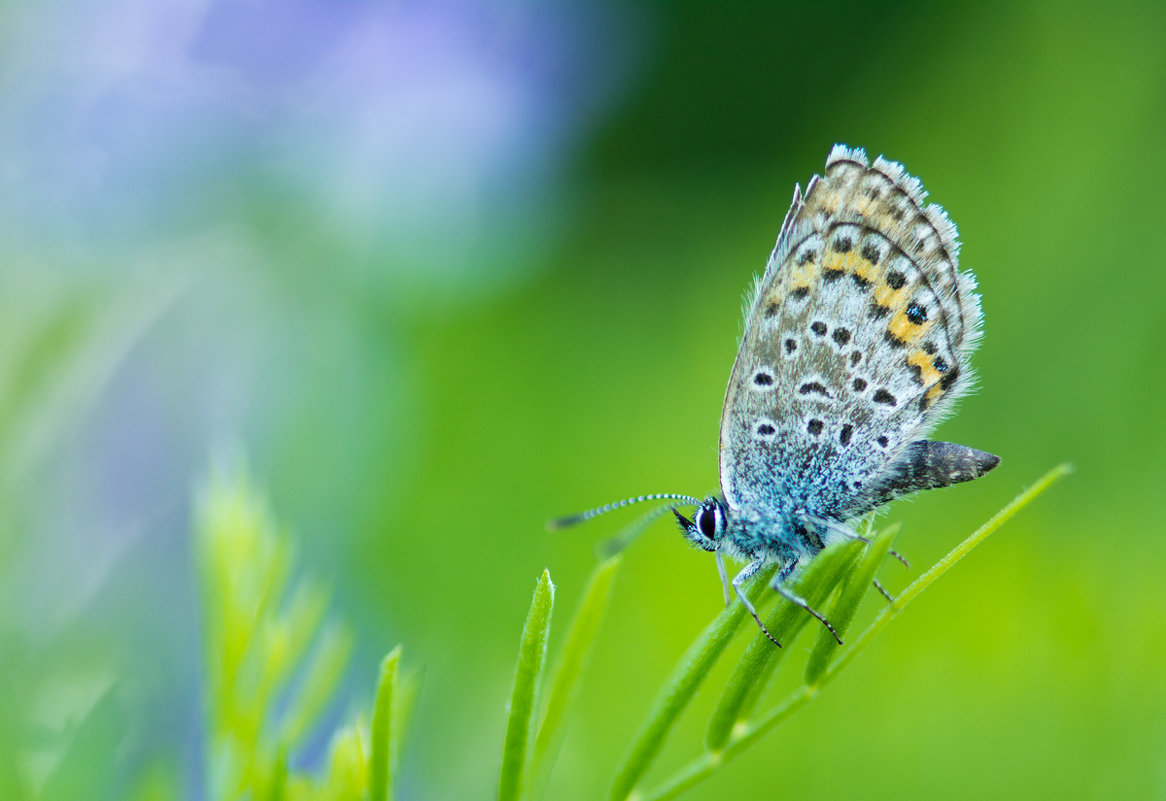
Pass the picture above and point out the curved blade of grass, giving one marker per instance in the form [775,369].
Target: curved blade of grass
[532,656]
[703,766]
[686,677]
[571,661]
[946,563]
[858,583]
[384,748]
[761,658]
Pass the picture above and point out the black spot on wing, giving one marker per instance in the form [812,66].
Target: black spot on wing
[916,373]
[845,434]
[893,340]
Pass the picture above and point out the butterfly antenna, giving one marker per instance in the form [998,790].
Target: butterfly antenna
[582,517]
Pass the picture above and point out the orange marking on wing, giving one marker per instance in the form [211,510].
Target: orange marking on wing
[886,296]
[806,274]
[902,328]
[834,261]
[865,270]
[924,362]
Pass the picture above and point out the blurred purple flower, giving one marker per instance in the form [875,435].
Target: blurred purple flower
[426,130]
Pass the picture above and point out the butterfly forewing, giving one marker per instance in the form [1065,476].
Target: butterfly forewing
[855,343]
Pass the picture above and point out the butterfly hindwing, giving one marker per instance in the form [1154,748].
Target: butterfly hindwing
[856,342]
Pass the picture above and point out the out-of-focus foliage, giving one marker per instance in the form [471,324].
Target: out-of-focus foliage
[447,269]
[272,664]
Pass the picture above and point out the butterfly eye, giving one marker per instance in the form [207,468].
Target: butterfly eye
[708,519]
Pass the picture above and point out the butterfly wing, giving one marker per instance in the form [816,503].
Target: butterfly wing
[856,343]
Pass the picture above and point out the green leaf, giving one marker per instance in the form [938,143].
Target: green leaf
[532,653]
[383,759]
[858,582]
[571,662]
[761,657]
[681,686]
[744,736]
[348,771]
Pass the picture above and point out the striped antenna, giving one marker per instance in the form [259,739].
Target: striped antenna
[582,517]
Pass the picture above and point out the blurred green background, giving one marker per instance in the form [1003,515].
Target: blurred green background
[444,270]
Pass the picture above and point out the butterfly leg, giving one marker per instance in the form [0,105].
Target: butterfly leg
[739,582]
[793,598]
[890,598]
[845,531]
[724,576]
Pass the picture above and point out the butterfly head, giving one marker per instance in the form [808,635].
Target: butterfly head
[708,524]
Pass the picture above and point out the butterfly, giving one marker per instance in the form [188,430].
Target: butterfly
[856,344]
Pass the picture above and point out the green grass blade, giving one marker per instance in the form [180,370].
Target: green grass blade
[532,653]
[947,562]
[383,757]
[761,657]
[841,615]
[706,764]
[686,677]
[570,665]
[348,771]
[743,737]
